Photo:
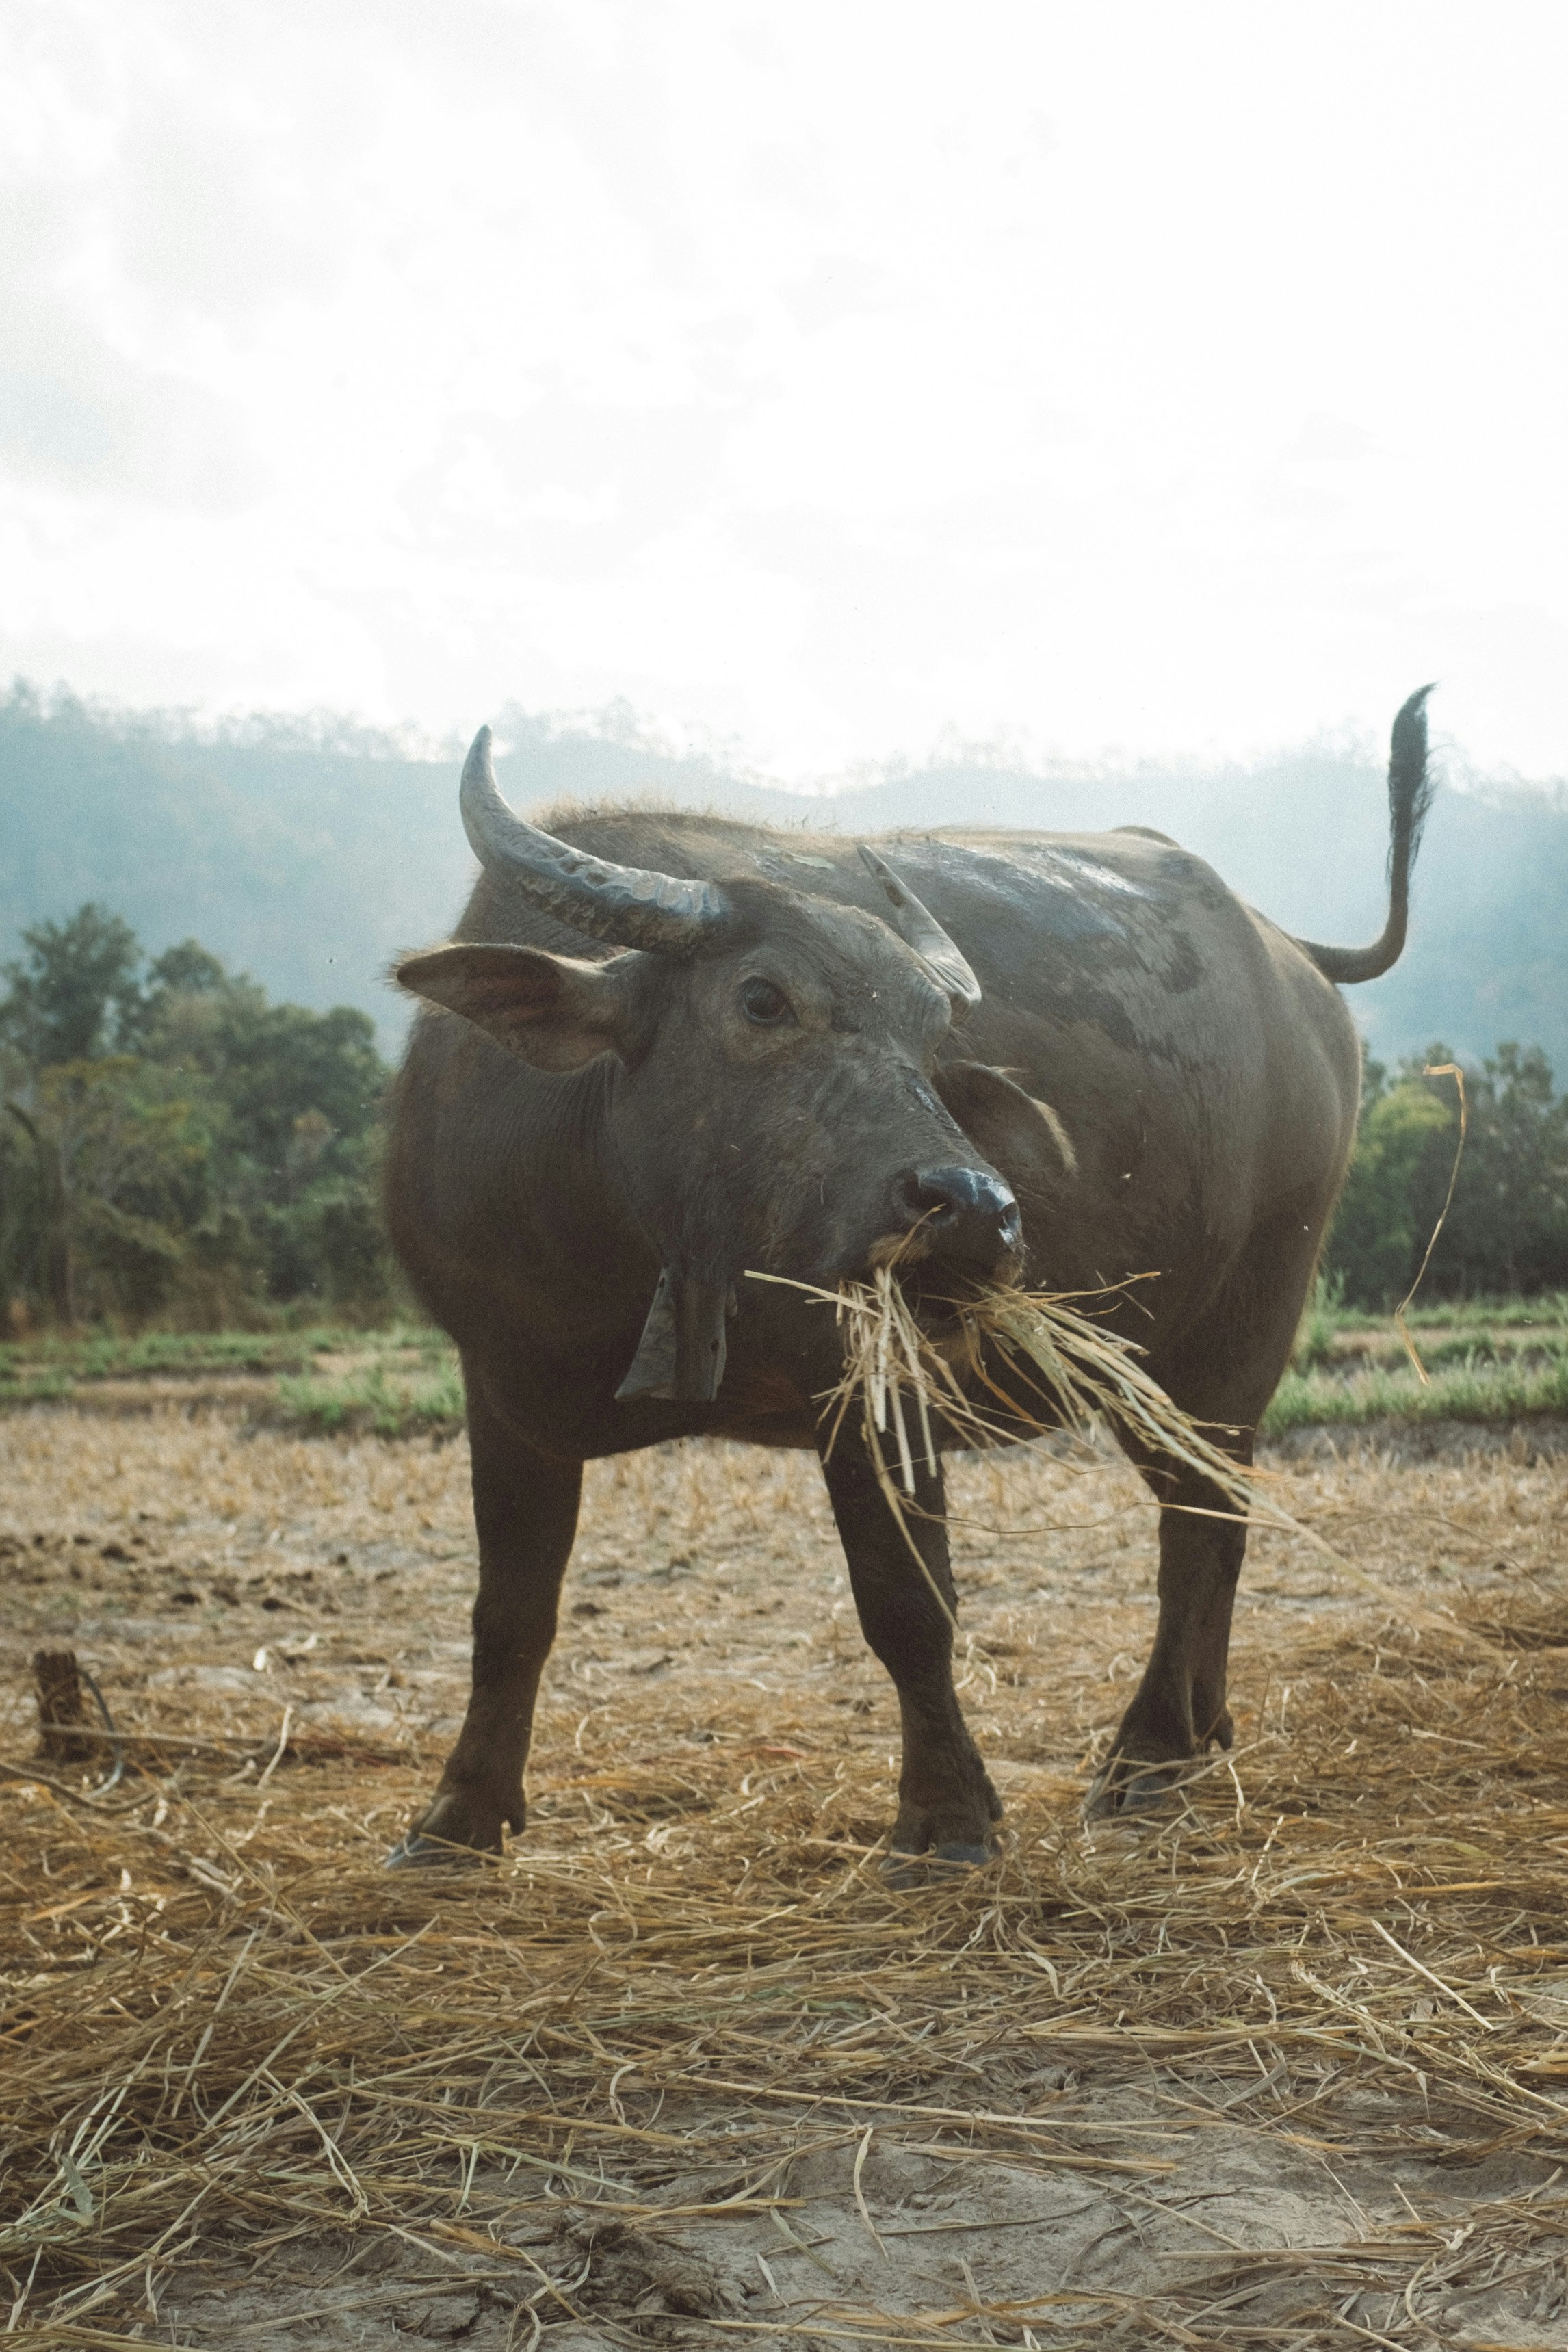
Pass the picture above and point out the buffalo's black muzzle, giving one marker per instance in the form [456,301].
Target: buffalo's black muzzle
[963,1217]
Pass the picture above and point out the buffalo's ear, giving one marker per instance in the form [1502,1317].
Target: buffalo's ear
[1023,1140]
[553,1011]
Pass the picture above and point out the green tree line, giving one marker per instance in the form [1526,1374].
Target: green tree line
[174,1146]
[1507,1226]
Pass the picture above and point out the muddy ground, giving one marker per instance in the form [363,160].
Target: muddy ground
[1282,2066]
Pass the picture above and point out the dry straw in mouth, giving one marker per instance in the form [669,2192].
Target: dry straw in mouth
[1009,1364]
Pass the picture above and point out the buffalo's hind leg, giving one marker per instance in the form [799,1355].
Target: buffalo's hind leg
[525,1513]
[1179,1709]
[946,1802]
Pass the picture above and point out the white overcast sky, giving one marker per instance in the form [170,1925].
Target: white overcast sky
[823,379]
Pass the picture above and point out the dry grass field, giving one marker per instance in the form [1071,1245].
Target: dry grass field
[1285,2066]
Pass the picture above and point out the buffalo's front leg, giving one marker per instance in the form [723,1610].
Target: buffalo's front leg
[525,1512]
[1180,1707]
[946,1802]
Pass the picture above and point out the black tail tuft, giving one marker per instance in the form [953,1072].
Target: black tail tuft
[1410,790]
[1410,784]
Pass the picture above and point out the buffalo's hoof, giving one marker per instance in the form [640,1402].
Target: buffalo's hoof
[415,1851]
[903,1870]
[1126,1790]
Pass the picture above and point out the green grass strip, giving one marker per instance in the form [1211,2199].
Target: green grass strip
[1496,1360]
[1500,1392]
[395,1405]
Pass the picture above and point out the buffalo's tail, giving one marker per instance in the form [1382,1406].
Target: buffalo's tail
[1409,799]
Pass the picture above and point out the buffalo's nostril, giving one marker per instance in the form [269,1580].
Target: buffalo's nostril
[968,1215]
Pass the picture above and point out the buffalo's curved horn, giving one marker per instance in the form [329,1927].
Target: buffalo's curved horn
[629,905]
[919,928]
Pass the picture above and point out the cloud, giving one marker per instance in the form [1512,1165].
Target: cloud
[79,416]
[1330,439]
[819,377]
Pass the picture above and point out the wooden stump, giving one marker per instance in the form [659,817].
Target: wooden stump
[63,1737]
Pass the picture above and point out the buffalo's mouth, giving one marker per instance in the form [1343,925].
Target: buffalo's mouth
[957,1251]
[938,1295]
[959,1222]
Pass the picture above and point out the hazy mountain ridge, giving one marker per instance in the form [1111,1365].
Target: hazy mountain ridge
[309,852]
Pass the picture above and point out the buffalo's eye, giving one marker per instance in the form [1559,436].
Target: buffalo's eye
[768,1006]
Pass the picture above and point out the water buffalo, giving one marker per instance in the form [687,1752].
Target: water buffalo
[665,1049]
